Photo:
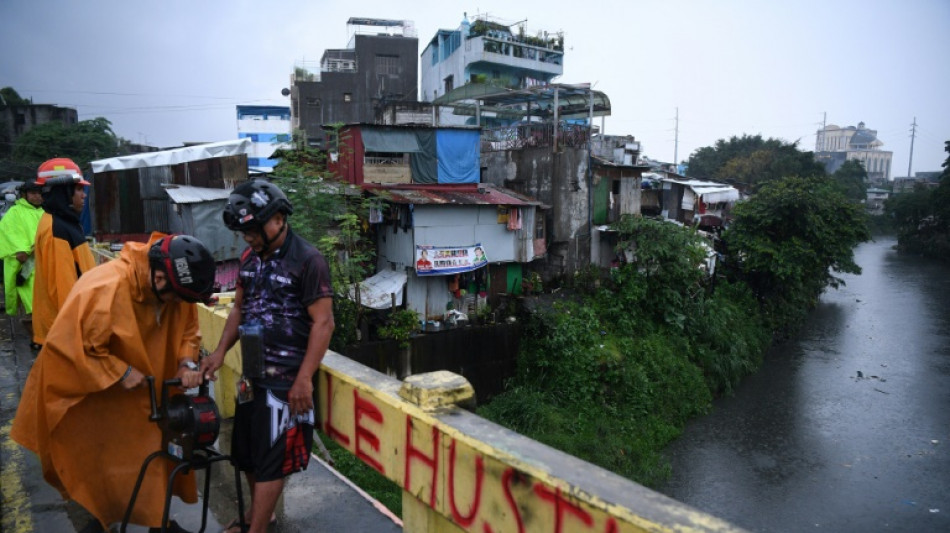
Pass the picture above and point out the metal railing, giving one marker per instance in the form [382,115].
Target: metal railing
[533,135]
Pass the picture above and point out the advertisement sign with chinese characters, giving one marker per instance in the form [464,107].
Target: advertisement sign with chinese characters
[442,260]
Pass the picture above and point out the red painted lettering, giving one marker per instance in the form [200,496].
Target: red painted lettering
[328,428]
[361,408]
[561,506]
[465,520]
[413,452]
[506,480]
[612,526]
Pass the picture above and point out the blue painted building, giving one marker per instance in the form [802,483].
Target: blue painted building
[268,128]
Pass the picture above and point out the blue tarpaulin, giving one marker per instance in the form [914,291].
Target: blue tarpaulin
[458,156]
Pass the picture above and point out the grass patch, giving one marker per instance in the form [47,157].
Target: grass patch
[363,476]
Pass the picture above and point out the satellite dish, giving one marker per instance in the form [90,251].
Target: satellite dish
[285,91]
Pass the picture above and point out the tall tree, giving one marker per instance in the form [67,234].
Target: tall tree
[789,240]
[749,161]
[852,179]
[922,217]
[9,96]
[332,216]
[82,142]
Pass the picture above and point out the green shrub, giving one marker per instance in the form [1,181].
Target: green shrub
[400,326]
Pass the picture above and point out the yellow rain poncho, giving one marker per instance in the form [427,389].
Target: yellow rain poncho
[17,234]
[90,434]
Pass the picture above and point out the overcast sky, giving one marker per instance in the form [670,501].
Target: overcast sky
[173,71]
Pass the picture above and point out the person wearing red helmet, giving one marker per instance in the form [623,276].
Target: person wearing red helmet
[61,251]
[85,405]
[17,237]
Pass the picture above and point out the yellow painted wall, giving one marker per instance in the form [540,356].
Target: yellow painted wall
[461,472]
[211,323]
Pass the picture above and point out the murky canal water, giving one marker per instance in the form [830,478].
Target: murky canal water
[846,427]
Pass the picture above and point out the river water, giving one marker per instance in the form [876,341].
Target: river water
[847,426]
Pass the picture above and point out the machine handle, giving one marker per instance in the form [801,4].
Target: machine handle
[175,382]
[154,417]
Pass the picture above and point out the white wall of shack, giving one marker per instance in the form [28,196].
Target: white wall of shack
[440,225]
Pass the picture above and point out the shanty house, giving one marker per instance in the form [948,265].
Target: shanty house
[456,245]
[696,202]
[367,153]
[183,190]
[128,198]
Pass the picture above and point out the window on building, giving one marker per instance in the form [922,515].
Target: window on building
[347,97]
[387,64]
[449,83]
[616,187]
[538,225]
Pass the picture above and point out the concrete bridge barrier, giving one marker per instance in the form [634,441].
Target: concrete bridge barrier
[458,471]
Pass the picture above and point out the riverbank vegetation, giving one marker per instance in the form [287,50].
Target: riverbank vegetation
[611,371]
[614,363]
[922,217]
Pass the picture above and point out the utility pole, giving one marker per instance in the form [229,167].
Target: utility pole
[676,141]
[913,133]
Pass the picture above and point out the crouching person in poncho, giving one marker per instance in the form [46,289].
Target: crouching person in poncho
[85,407]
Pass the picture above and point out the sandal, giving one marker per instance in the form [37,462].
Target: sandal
[235,525]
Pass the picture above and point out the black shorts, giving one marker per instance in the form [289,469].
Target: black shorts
[267,441]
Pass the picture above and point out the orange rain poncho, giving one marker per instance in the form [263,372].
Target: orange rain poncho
[90,434]
[62,254]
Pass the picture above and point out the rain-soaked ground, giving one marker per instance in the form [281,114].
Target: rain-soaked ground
[847,426]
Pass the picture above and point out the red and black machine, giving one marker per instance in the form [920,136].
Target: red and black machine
[190,427]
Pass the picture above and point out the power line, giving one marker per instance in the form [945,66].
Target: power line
[676,141]
[913,133]
[106,93]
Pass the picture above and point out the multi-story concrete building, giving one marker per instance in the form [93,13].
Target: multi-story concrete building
[835,145]
[268,128]
[379,66]
[15,120]
[487,52]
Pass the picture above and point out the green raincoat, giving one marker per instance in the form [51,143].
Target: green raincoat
[17,234]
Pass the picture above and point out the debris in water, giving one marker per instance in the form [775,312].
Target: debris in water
[860,374]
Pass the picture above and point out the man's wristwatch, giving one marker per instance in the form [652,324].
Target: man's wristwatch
[190,365]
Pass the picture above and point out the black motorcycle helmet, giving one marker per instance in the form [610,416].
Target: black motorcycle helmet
[187,264]
[29,185]
[253,203]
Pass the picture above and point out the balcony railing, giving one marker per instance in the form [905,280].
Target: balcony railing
[530,135]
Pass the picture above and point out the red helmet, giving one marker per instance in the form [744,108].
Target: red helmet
[59,171]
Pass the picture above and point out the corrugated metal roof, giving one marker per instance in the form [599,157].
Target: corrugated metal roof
[174,156]
[187,194]
[469,194]
[604,162]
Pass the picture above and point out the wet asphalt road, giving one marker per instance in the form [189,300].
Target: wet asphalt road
[846,427]
[314,501]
